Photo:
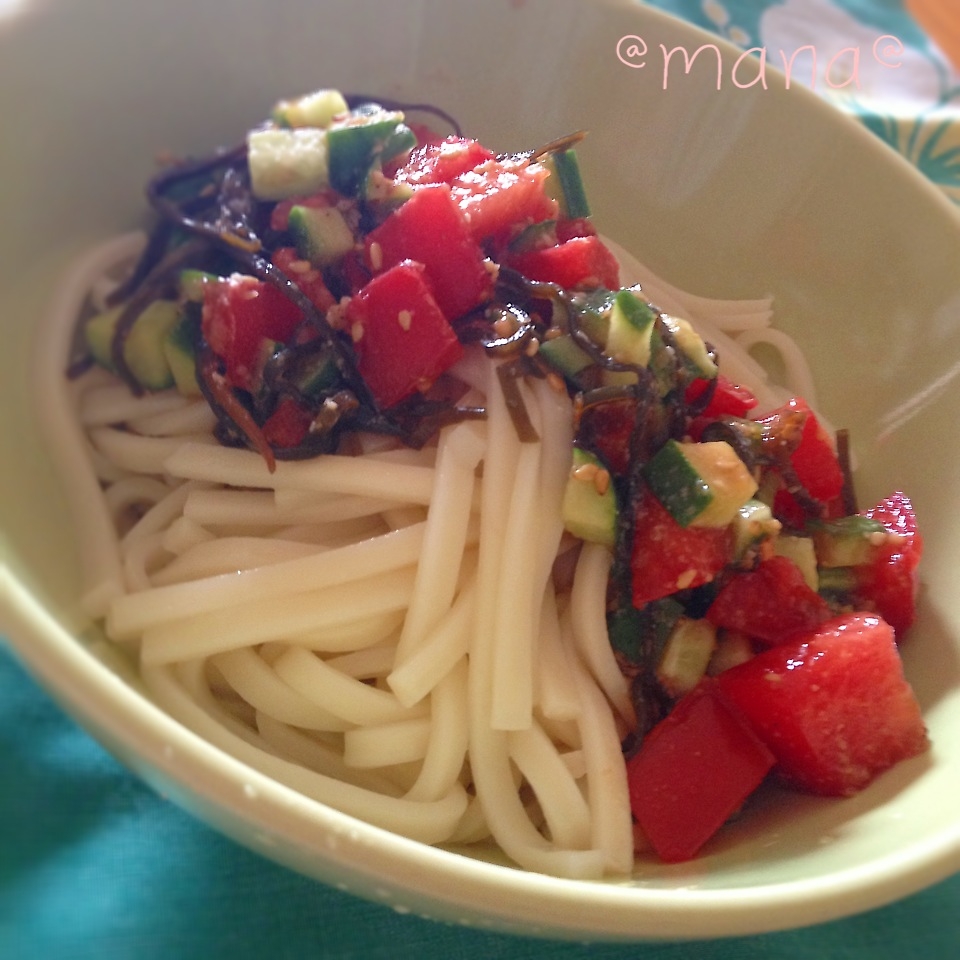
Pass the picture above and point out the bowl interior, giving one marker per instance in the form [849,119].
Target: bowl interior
[740,191]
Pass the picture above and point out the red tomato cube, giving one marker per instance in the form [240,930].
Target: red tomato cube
[889,582]
[440,161]
[503,194]
[666,557]
[577,263]
[430,229]
[814,460]
[694,769]
[771,603]
[239,313]
[402,338]
[833,707]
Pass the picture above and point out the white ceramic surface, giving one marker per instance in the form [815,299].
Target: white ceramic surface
[736,191]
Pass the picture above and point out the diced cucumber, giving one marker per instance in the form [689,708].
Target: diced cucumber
[732,649]
[287,162]
[534,236]
[686,655]
[631,325]
[191,283]
[754,522]
[565,355]
[691,344]
[143,350]
[567,183]
[321,234]
[317,373]
[315,109]
[180,352]
[589,500]
[639,635]
[848,541]
[800,550]
[700,484]
[354,143]
[384,193]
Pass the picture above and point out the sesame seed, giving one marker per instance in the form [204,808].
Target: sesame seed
[376,255]
[356,332]
[685,579]
[602,481]
[532,347]
[586,471]
[405,318]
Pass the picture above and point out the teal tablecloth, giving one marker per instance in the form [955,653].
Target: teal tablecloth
[94,865]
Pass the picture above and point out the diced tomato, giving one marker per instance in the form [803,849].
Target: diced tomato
[501,194]
[693,770]
[288,425]
[889,581]
[441,161]
[771,603]
[814,460]
[667,557]
[568,228]
[430,229]
[580,262]
[607,428]
[788,510]
[402,337]
[354,272]
[729,399]
[239,313]
[306,277]
[833,706]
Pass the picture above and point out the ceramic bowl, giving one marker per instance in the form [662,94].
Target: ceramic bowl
[736,191]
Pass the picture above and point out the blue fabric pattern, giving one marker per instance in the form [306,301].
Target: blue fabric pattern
[916,111]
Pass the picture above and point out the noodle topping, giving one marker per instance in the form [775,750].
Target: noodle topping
[546,572]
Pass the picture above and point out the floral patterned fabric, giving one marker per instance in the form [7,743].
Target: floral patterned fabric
[885,61]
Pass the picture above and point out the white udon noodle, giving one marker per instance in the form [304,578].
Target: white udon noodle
[379,631]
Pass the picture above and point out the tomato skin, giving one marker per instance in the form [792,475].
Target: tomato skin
[729,398]
[814,460]
[502,194]
[430,229]
[239,313]
[577,263]
[833,706]
[309,281]
[771,603]
[666,557]
[693,770]
[288,425]
[889,582]
[441,161]
[402,338]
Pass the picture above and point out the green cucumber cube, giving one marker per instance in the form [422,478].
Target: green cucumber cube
[700,484]
[316,109]
[287,163]
[631,325]
[589,500]
[321,234]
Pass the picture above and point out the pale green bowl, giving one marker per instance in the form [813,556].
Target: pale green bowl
[735,192]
